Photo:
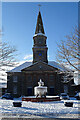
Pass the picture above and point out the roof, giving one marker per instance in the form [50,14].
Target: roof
[27,64]
[20,67]
[57,65]
[40,66]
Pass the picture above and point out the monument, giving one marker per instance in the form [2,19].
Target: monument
[40,91]
[40,94]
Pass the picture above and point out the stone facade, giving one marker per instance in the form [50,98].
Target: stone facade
[25,82]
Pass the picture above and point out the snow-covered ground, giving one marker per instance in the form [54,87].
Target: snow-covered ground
[55,109]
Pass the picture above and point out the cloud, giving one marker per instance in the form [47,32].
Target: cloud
[28,58]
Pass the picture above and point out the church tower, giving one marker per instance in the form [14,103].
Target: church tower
[39,47]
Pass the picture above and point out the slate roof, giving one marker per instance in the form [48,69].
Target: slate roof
[27,64]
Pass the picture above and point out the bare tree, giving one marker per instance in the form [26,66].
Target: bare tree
[68,51]
[7,57]
[68,54]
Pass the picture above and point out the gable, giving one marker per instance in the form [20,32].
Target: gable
[54,64]
[40,66]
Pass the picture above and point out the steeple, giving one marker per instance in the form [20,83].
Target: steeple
[39,47]
[39,26]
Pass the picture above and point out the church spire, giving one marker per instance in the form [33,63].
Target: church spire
[39,26]
[39,48]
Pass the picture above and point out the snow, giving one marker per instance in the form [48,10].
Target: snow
[77,77]
[39,34]
[20,67]
[57,65]
[55,109]
[3,85]
[27,64]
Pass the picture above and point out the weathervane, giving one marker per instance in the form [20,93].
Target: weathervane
[39,6]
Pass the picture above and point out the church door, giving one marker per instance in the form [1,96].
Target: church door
[51,91]
[29,91]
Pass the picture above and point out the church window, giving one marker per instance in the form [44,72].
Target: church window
[45,41]
[15,79]
[65,88]
[51,77]
[34,42]
[15,90]
[29,77]
[34,77]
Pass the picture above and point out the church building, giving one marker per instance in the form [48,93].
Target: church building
[22,79]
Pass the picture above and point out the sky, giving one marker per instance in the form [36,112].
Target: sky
[19,22]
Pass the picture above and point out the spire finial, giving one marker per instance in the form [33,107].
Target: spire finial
[39,6]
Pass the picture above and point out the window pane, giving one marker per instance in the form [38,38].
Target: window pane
[15,79]
[34,77]
[51,77]
[29,78]
[15,90]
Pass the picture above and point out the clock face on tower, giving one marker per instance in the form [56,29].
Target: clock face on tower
[40,54]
